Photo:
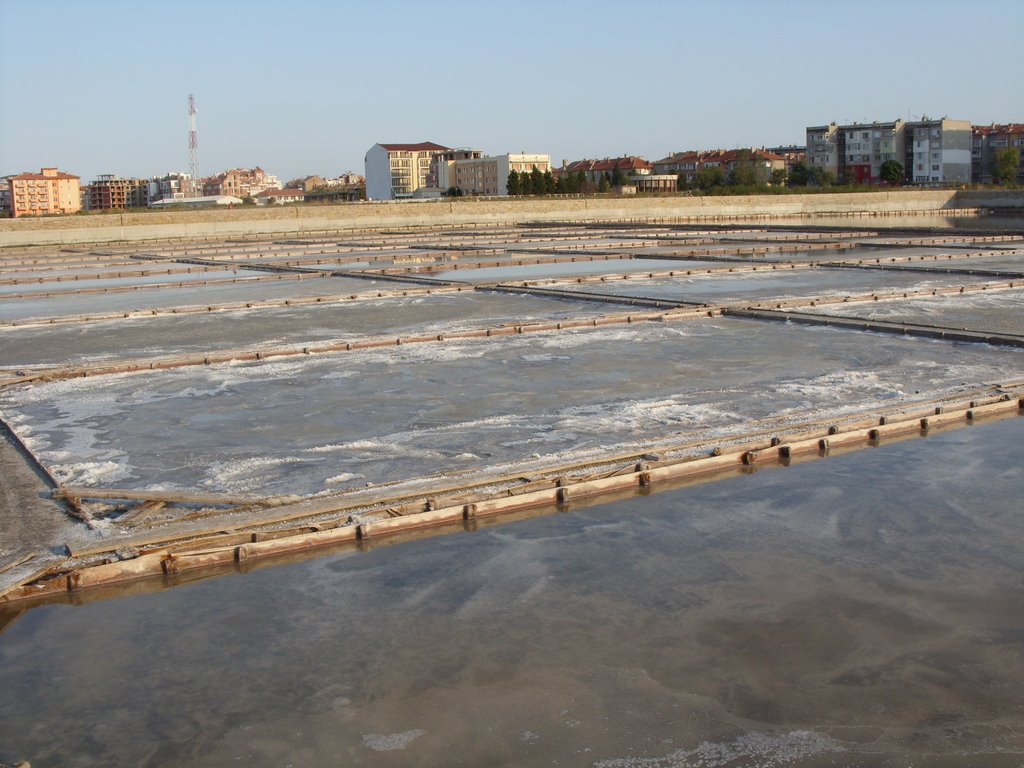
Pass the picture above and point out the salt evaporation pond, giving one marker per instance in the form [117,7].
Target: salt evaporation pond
[864,609]
[299,324]
[164,296]
[746,286]
[319,422]
[999,311]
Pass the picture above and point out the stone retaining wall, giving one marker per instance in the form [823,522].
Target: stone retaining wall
[208,223]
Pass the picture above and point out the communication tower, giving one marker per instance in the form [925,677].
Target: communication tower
[193,146]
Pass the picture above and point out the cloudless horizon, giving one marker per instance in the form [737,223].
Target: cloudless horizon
[308,88]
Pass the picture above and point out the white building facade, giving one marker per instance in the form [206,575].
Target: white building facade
[939,151]
[396,171]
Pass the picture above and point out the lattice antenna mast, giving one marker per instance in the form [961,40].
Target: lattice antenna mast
[193,146]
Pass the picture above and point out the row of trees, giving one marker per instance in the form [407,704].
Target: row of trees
[572,183]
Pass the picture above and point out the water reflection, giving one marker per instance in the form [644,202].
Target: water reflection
[865,609]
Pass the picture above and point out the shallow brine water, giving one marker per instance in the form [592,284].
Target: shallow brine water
[321,422]
[865,609]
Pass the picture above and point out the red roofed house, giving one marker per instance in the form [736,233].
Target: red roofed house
[594,169]
[989,139]
[47,192]
[689,163]
[280,196]
[396,171]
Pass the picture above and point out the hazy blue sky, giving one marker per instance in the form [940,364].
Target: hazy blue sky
[307,86]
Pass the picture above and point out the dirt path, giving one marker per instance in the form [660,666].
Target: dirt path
[33,527]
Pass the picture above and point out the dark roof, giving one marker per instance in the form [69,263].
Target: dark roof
[423,146]
[40,176]
[608,164]
[985,130]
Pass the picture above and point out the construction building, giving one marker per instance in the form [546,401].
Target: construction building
[115,192]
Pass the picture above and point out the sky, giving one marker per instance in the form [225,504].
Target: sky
[303,87]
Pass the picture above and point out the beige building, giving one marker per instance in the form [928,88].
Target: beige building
[48,192]
[240,182]
[488,176]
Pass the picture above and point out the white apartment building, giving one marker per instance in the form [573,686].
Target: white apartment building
[396,171]
[824,148]
[939,151]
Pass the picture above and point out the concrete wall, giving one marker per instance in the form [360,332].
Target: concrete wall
[311,219]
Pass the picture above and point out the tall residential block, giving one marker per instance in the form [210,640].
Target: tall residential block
[868,146]
[938,151]
[396,171]
[930,151]
[48,192]
[825,146]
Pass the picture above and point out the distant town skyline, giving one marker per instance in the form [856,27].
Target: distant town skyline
[308,88]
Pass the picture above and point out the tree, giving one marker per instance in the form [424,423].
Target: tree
[819,177]
[709,177]
[747,170]
[512,185]
[454,192]
[605,184]
[549,183]
[799,175]
[537,186]
[616,178]
[1004,166]
[682,182]
[891,173]
[778,177]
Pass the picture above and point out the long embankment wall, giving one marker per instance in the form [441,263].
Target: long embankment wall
[298,220]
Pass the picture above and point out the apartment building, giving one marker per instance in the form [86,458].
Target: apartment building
[826,146]
[109,192]
[396,171]
[48,192]
[938,151]
[869,145]
[442,174]
[986,141]
[930,151]
[173,186]
[489,175]
[240,182]
[5,197]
